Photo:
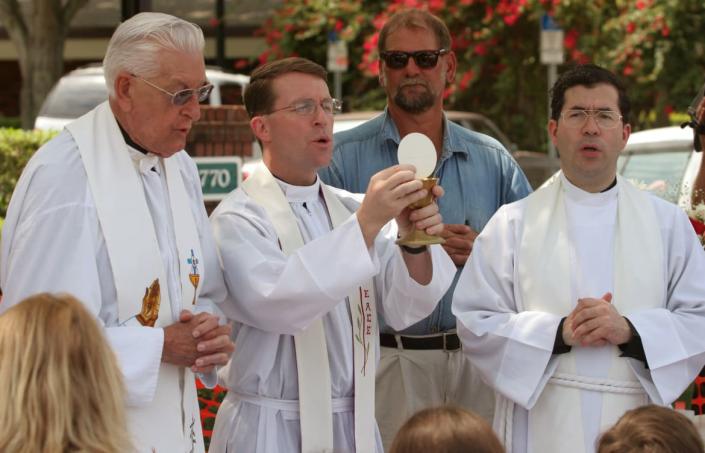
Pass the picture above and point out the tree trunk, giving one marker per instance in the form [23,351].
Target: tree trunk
[38,32]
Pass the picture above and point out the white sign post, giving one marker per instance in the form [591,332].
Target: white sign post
[551,55]
[337,62]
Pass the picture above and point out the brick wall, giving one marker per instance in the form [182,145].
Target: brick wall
[222,131]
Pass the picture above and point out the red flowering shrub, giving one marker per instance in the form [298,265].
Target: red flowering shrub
[698,226]
[209,401]
[652,44]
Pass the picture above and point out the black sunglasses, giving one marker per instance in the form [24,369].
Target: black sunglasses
[425,59]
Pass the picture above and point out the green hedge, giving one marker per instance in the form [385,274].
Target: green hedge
[16,147]
[10,121]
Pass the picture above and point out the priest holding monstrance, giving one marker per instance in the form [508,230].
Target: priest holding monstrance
[308,267]
[587,298]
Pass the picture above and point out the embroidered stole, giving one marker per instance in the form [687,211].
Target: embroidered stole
[313,368]
[544,275]
[171,422]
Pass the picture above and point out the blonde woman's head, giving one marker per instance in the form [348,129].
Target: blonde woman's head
[60,386]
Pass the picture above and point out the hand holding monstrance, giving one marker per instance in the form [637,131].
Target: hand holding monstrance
[417,149]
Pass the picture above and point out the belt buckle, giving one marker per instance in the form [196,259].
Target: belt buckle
[445,343]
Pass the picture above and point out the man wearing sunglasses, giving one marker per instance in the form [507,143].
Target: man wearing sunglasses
[586,299]
[304,264]
[422,366]
[111,211]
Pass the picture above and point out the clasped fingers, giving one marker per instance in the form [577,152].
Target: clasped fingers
[206,364]
[213,352]
[221,343]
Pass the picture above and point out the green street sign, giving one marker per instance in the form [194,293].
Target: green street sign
[219,175]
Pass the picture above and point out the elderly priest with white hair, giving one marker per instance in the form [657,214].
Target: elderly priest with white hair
[111,211]
[587,298]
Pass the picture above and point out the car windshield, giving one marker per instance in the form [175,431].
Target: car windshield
[658,172]
[74,96]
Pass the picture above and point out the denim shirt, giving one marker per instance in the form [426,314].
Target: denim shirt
[476,171]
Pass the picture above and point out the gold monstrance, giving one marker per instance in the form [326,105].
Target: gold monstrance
[418,150]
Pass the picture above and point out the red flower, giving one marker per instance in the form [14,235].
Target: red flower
[371,42]
[466,79]
[450,89]
[264,57]
[511,19]
[570,41]
[240,63]
[436,5]
[369,67]
[579,57]
[488,14]
[338,25]
[631,26]
[698,226]
[628,70]
[640,4]
[481,49]
[665,31]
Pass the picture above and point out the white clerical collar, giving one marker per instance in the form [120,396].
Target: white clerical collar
[300,193]
[578,195]
[145,162]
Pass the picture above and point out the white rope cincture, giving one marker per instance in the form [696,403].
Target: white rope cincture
[597,384]
[506,407]
[504,421]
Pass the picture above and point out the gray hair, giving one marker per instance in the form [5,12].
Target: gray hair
[137,42]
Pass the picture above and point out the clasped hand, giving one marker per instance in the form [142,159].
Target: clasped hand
[595,322]
[197,341]
[459,241]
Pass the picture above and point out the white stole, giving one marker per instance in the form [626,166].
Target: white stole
[313,369]
[171,421]
[545,285]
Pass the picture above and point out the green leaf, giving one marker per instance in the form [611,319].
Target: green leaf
[16,147]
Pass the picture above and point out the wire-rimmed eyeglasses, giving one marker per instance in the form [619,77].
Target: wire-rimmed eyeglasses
[307,107]
[181,97]
[576,118]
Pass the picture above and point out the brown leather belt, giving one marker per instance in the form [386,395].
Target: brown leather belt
[442,341]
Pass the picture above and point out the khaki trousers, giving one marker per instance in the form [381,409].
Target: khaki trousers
[411,380]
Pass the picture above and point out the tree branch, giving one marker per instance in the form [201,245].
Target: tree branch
[12,19]
[70,9]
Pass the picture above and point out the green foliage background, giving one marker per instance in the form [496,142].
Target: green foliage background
[657,46]
[16,147]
